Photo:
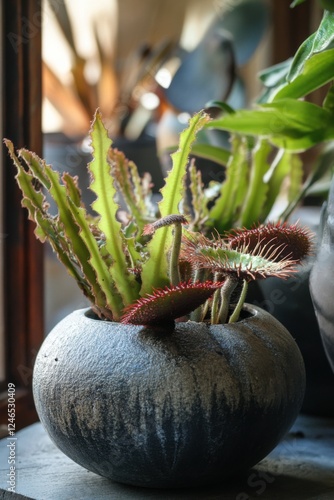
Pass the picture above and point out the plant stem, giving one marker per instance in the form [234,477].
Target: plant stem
[225,292]
[236,313]
[197,314]
[174,258]
[214,305]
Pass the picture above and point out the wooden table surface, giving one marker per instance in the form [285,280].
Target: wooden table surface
[300,467]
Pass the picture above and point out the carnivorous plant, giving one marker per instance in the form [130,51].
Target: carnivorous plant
[145,263]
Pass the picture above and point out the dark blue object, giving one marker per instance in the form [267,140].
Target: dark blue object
[322,279]
[208,73]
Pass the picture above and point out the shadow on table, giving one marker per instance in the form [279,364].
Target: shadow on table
[256,484]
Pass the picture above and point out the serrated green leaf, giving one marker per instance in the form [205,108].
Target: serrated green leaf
[130,184]
[258,188]
[198,198]
[296,177]
[102,185]
[317,42]
[60,247]
[72,230]
[224,212]
[322,167]
[329,100]
[155,269]
[37,167]
[103,277]
[33,199]
[72,189]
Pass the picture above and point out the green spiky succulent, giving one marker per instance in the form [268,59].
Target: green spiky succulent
[137,267]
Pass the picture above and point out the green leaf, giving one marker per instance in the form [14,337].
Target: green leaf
[317,42]
[296,177]
[257,191]
[223,106]
[296,2]
[79,241]
[72,231]
[72,189]
[274,75]
[212,153]
[289,123]
[155,269]
[199,209]
[327,4]
[329,100]
[102,185]
[37,167]
[131,186]
[317,71]
[322,167]
[279,170]
[47,227]
[224,212]
[103,277]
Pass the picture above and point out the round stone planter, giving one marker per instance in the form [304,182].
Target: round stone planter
[157,408]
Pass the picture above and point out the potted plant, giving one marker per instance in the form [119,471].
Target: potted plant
[130,68]
[169,379]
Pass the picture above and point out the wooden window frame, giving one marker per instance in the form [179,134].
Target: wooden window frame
[22,287]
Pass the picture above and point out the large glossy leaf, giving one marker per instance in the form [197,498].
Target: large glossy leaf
[213,153]
[317,42]
[317,71]
[272,76]
[289,123]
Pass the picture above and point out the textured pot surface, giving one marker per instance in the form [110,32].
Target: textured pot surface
[154,408]
[290,299]
[322,279]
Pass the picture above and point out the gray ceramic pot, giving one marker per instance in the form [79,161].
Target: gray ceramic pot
[322,279]
[158,408]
